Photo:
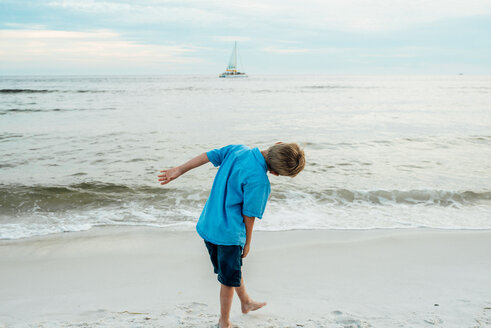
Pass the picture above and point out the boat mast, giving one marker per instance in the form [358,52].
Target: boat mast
[235,55]
[232,65]
[232,68]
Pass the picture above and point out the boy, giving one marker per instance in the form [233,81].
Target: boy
[239,194]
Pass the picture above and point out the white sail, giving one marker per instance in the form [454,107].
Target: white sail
[232,69]
[232,64]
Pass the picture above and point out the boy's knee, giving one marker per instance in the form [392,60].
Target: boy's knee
[230,280]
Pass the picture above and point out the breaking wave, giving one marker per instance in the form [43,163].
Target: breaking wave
[47,91]
[47,110]
[89,195]
[27,211]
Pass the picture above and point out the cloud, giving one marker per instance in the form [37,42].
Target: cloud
[360,52]
[374,15]
[231,38]
[155,35]
[353,16]
[90,49]
[285,50]
[148,12]
[25,26]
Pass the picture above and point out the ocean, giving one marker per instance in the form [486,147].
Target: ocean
[382,152]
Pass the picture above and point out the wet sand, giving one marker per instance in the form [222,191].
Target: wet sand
[136,276]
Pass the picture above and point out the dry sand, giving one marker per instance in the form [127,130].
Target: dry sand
[145,277]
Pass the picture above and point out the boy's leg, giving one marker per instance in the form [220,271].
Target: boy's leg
[247,304]
[229,273]
[226,297]
[228,266]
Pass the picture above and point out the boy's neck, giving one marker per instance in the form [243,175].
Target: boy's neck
[265,154]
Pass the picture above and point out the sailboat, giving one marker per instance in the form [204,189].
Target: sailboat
[231,71]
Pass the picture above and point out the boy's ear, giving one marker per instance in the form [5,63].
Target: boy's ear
[274,173]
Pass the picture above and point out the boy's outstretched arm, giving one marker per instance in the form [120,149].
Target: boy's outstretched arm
[249,224]
[167,176]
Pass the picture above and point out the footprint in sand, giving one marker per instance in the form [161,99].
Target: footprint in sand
[346,320]
[485,319]
[194,315]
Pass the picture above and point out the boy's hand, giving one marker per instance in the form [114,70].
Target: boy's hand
[245,251]
[167,176]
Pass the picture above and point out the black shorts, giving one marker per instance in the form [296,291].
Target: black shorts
[227,263]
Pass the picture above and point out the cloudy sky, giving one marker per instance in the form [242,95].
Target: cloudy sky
[287,36]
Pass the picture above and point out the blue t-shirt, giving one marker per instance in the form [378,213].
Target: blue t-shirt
[241,186]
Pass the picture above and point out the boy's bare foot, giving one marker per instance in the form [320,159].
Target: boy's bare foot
[252,306]
[224,323]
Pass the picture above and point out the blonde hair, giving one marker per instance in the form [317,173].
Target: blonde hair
[285,159]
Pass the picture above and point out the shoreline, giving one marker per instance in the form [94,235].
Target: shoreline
[123,228]
[127,276]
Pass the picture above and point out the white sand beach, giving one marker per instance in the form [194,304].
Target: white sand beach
[145,277]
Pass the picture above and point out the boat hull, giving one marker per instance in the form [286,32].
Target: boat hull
[236,76]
